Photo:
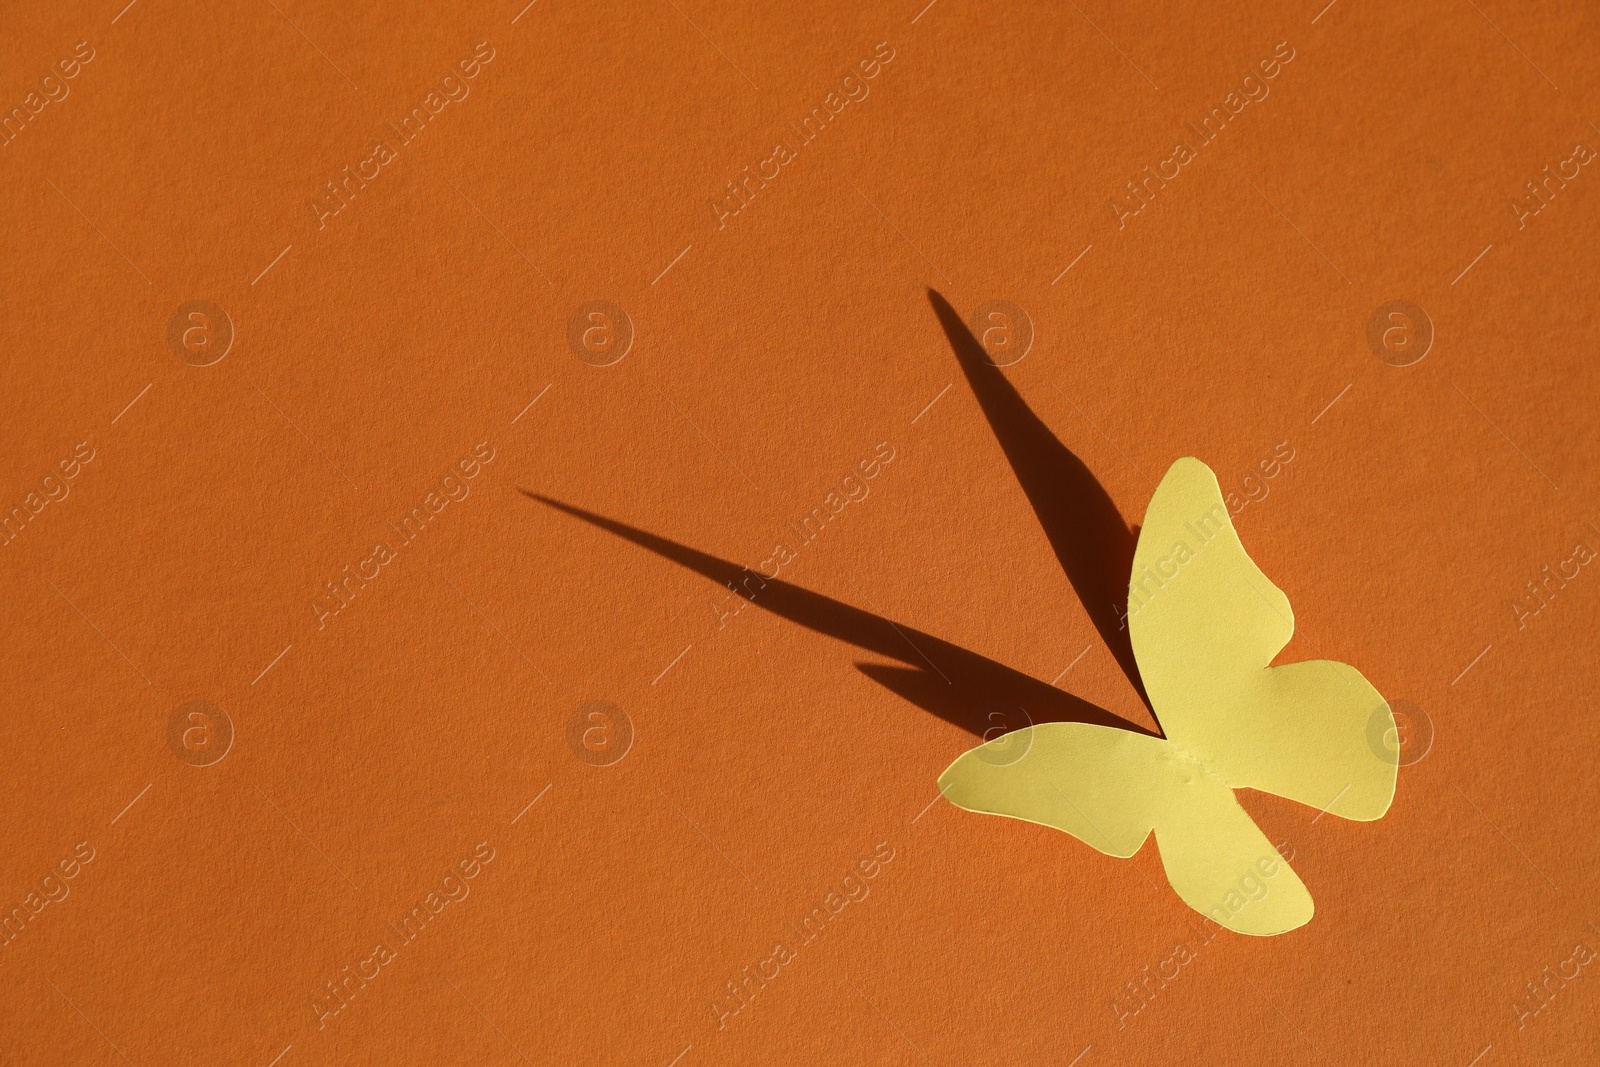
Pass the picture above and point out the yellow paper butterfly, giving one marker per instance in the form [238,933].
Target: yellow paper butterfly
[1205,624]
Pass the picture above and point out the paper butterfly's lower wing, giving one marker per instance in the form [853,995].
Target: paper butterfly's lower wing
[1110,788]
[1205,624]
[1224,867]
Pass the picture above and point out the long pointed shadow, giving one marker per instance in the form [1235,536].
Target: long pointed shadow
[946,680]
[1087,533]
[1084,528]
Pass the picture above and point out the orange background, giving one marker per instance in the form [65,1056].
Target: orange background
[769,359]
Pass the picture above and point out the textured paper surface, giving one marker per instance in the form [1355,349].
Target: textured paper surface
[684,790]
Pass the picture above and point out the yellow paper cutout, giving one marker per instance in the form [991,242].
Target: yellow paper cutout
[1205,624]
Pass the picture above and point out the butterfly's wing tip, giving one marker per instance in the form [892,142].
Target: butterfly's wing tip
[1297,924]
[1366,800]
[956,784]
[1286,915]
[1377,810]
[972,777]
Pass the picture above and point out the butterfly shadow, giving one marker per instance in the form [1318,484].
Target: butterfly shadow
[1093,544]
[963,687]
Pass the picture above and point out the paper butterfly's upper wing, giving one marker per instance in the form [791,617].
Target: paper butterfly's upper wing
[1103,786]
[1109,788]
[1205,624]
